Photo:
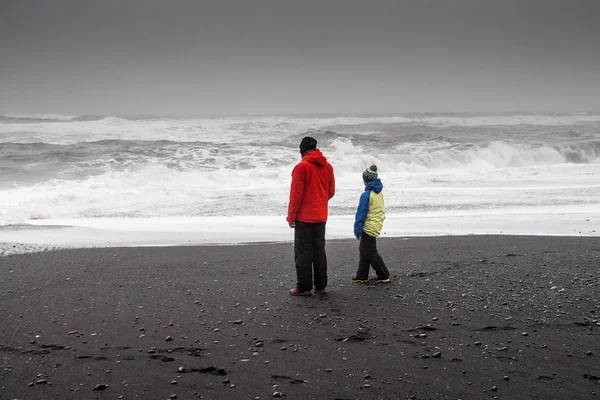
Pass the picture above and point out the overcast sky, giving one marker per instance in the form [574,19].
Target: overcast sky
[115,57]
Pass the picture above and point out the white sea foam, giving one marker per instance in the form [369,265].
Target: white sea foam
[564,221]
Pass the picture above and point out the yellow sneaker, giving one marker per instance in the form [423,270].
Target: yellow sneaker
[387,280]
[356,280]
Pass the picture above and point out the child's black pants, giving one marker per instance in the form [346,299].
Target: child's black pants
[370,256]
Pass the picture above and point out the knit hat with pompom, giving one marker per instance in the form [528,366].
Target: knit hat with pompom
[370,173]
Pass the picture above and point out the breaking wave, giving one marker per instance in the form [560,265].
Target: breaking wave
[72,166]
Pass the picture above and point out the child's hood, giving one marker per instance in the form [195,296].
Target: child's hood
[375,186]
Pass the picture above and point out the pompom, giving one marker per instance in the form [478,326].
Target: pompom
[373,168]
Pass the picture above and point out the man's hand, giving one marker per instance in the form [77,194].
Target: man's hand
[292,224]
[358,238]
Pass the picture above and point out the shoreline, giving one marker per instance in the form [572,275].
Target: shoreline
[513,317]
[16,248]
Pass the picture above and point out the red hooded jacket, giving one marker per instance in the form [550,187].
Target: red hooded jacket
[313,184]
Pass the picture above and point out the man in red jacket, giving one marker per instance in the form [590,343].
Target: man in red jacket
[313,184]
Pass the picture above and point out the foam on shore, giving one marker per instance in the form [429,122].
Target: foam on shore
[39,235]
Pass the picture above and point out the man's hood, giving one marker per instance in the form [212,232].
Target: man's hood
[315,157]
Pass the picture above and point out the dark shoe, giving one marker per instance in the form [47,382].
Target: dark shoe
[356,280]
[297,292]
[321,291]
[385,280]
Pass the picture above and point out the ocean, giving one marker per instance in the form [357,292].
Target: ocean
[73,180]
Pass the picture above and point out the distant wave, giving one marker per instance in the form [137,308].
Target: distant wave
[38,117]
[508,120]
[321,122]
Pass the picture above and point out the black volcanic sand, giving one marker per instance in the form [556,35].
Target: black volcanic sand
[465,318]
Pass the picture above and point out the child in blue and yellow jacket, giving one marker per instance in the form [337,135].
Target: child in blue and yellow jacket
[368,223]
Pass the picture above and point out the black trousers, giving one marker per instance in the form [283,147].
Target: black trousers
[309,254]
[369,256]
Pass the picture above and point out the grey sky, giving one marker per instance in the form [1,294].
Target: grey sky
[198,57]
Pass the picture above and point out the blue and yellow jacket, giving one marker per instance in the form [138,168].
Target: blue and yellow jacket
[371,210]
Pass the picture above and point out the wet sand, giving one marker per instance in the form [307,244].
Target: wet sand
[471,317]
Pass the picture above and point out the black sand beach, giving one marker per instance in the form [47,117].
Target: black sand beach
[474,317]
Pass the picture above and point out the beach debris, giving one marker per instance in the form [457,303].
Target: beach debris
[493,328]
[427,327]
[287,379]
[277,394]
[207,370]
[591,377]
[100,386]
[437,354]
[169,338]
[238,322]
[359,337]
[162,358]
